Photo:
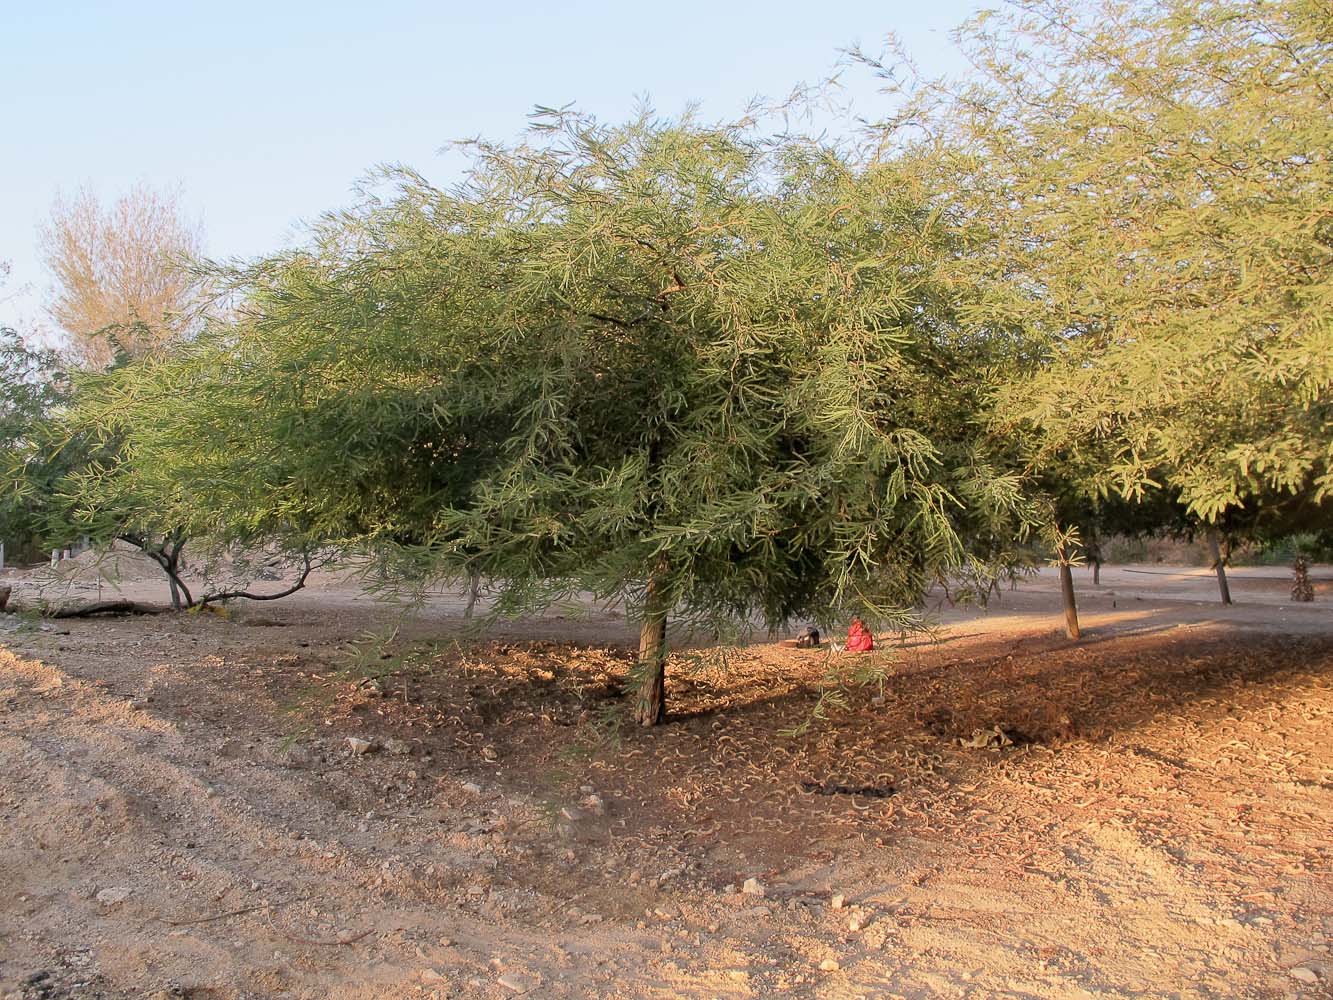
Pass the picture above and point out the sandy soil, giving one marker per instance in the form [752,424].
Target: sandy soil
[182,814]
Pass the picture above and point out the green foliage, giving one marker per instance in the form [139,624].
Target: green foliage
[1147,192]
[1284,551]
[611,348]
[33,387]
[128,485]
[62,459]
[112,493]
[779,378]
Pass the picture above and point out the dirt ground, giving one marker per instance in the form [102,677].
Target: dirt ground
[182,813]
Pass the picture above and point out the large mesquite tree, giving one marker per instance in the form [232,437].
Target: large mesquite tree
[1150,197]
[717,375]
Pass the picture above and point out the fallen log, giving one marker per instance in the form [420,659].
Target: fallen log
[102,608]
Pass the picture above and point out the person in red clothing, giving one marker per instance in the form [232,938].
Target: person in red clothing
[859,639]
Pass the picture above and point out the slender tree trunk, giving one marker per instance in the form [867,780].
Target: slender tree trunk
[1215,553]
[1067,595]
[1094,550]
[168,556]
[171,562]
[1302,589]
[650,672]
[473,590]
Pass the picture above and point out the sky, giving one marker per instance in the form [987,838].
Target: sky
[267,113]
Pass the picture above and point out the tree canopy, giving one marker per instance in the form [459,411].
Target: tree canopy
[711,371]
[1150,196]
[33,385]
[122,284]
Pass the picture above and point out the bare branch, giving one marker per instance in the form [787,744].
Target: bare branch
[228,595]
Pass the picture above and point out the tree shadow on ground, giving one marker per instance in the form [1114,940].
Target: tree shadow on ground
[745,759]
[744,766]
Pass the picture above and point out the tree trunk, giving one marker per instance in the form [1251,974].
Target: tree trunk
[650,672]
[171,563]
[1215,553]
[1093,548]
[473,590]
[1067,594]
[1302,589]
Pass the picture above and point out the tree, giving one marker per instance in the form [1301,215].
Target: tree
[117,490]
[125,294]
[1146,189]
[32,387]
[66,473]
[1081,514]
[121,282]
[713,373]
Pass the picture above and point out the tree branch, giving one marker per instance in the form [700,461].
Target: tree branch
[228,595]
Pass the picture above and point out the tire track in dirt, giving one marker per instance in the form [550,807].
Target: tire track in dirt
[119,808]
[124,800]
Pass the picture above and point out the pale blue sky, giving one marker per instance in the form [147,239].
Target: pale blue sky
[267,112]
